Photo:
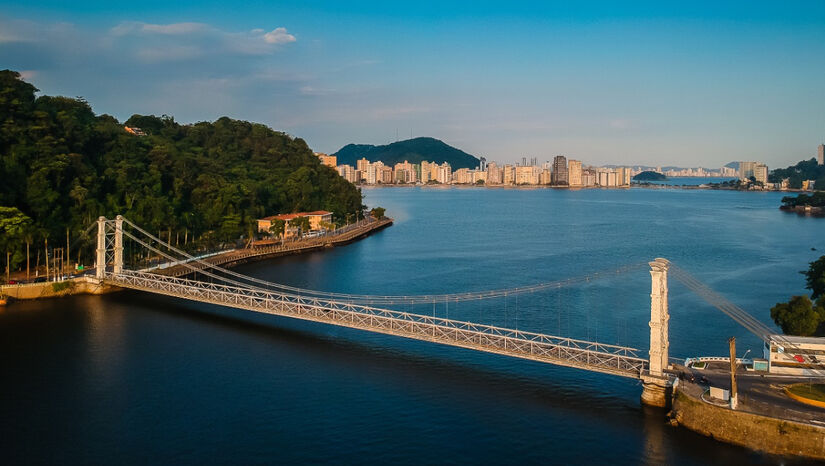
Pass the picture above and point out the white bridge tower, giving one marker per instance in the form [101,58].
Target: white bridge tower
[656,381]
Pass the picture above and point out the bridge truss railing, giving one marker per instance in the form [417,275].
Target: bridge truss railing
[601,357]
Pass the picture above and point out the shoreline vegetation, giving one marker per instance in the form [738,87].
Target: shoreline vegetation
[85,284]
[805,204]
[198,186]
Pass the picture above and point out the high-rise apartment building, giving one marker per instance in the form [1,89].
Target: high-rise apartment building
[370,173]
[426,172]
[328,160]
[509,176]
[404,172]
[527,175]
[348,173]
[463,176]
[623,176]
[746,169]
[559,175]
[760,173]
[544,176]
[362,164]
[494,174]
[574,173]
[588,177]
[820,154]
[384,175]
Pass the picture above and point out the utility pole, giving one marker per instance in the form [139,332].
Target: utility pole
[27,260]
[8,266]
[47,259]
[67,248]
[733,400]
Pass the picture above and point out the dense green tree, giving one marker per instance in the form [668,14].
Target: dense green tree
[815,278]
[796,174]
[301,223]
[817,199]
[63,166]
[799,316]
[378,212]
[277,227]
[15,228]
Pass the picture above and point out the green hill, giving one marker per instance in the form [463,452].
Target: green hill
[412,150]
[804,170]
[62,166]
[649,176]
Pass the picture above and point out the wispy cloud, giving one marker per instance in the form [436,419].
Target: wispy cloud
[314,91]
[279,36]
[191,40]
[132,27]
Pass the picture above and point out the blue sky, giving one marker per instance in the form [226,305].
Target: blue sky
[604,82]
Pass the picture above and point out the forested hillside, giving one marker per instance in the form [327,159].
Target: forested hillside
[796,174]
[412,150]
[62,166]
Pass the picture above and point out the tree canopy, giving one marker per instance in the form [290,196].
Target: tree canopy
[300,222]
[801,316]
[816,199]
[815,278]
[63,166]
[796,174]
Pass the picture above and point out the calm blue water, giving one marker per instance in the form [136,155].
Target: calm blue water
[138,379]
[692,180]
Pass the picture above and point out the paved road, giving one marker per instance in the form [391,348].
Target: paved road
[758,394]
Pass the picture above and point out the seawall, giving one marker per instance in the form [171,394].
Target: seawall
[72,286]
[761,433]
[90,285]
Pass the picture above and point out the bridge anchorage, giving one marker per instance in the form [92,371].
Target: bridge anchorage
[228,288]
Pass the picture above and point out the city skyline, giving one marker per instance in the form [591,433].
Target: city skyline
[642,84]
[561,172]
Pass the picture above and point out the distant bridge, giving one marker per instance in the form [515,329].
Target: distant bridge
[235,290]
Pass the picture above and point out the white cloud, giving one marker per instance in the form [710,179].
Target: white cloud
[188,40]
[279,36]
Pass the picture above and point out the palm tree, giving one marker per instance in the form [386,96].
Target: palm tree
[29,238]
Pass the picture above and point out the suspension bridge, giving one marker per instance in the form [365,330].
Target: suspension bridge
[210,283]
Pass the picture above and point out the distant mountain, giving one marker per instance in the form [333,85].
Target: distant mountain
[732,165]
[412,150]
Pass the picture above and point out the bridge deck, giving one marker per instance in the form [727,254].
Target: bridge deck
[592,356]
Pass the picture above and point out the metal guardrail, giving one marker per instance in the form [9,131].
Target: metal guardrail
[593,356]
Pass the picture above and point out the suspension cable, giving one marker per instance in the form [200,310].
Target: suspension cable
[388,299]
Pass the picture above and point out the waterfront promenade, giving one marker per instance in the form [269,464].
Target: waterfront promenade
[86,285]
[261,251]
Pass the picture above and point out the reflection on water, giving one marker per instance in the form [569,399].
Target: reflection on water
[142,379]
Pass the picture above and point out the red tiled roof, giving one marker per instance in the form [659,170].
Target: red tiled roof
[297,214]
